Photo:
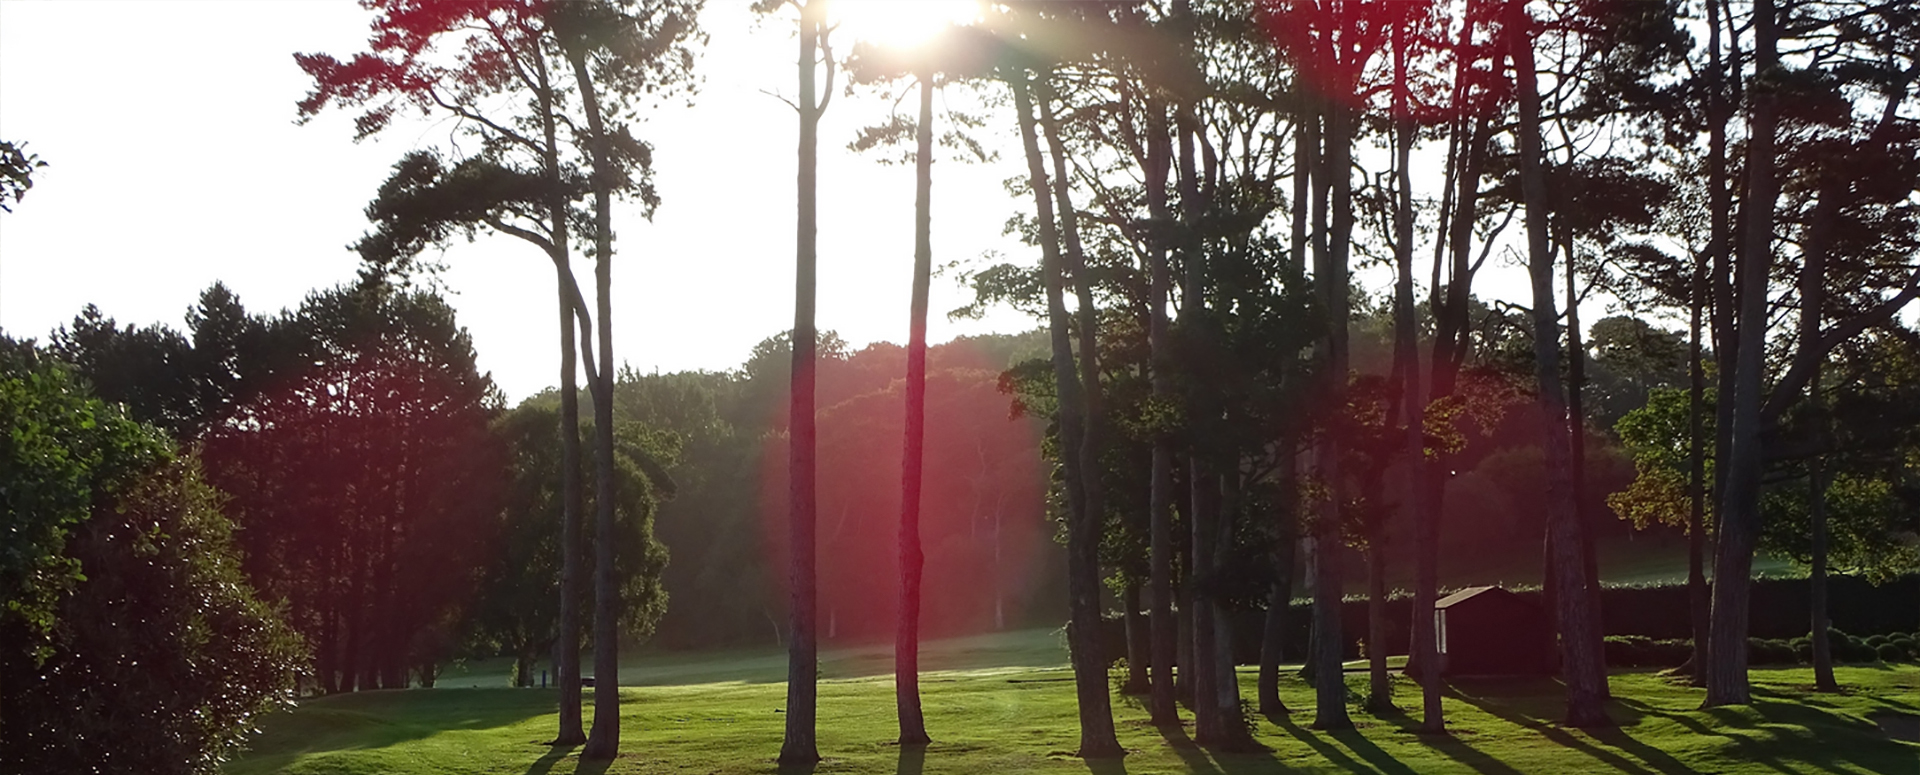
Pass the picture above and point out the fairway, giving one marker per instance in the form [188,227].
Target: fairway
[1017,716]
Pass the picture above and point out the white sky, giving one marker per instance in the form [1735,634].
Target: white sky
[175,162]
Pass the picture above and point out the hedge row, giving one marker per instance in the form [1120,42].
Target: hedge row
[1779,611]
[1641,651]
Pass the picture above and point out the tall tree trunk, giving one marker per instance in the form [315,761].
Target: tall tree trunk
[1823,679]
[1740,507]
[1161,706]
[1286,543]
[906,644]
[1697,602]
[803,657]
[1092,405]
[1139,640]
[1577,433]
[1584,676]
[1331,279]
[1717,297]
[603,740]
[572,495]
[1406,357]
[1083,583]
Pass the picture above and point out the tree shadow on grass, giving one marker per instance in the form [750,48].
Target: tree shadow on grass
[554,754]
[1651,760]
[1372,759]
[1250,759]
[1791,731]
[1446,744]
[913,760]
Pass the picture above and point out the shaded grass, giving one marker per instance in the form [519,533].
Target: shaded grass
[1020,719]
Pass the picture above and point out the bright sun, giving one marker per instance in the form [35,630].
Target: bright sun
[901,23]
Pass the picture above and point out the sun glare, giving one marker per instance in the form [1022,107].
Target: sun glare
[901,23]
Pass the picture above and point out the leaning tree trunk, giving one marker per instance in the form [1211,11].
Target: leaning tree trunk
[603,740]
[906,644]
[1585,679]
[1097,737]
[1740,507]
[572,506]
[803,656]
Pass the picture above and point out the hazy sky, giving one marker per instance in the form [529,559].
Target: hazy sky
[175,162]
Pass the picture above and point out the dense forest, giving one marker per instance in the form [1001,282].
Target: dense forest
[1263,370]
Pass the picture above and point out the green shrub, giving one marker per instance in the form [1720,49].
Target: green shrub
[1642,651]
[1876,641]
[1891,653]
[1802,649]
[1769,652]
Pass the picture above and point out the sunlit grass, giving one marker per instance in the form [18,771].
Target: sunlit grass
[1021,719]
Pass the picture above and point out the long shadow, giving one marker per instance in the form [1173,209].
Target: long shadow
[554,754]
[1333,753]
[1190,753]
[1106,766]
[377,719]
[1454,748]
[913,760]
[1824,738]
[1551,730]
[593,767]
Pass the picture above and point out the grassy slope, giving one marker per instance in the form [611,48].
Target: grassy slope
[1020,718]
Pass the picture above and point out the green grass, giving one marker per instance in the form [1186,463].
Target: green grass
[1020,718]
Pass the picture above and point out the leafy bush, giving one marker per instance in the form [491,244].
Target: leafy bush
[1802,649]
[1641,651]
[1891,653]
[1876,641]
[1769,652]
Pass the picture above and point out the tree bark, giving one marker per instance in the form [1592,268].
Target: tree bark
[1161,705]
[1097,737]
[906,645]
[803,656]
[1331,280]
[1823,679]
[603,740]
[1139,640]
[1585,678]
[1280,598]
[1740,507]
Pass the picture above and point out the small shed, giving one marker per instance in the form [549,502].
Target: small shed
[1492,631]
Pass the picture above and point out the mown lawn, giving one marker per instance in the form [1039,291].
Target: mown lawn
[1020,718]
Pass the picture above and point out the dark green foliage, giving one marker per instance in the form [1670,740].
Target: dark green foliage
[16,172]
[139,646]
[1642,651]
[1888,652]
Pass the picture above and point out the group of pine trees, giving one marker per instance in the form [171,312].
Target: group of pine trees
[1202,183]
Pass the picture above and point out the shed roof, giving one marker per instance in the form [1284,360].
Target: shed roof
[1465,595]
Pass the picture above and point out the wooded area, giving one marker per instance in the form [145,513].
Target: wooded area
[1263,369]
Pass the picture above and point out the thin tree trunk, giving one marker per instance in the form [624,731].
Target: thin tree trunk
[1577,433]
[572,495]
[906,645]
[603,740]
[803,659]
[1331,279]
[1697,601]
[1407,360]
[1161,706]
[1584,677]
[1740,509]
[1285,549]
[1139,640]
[1823,679]
[1083,584]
